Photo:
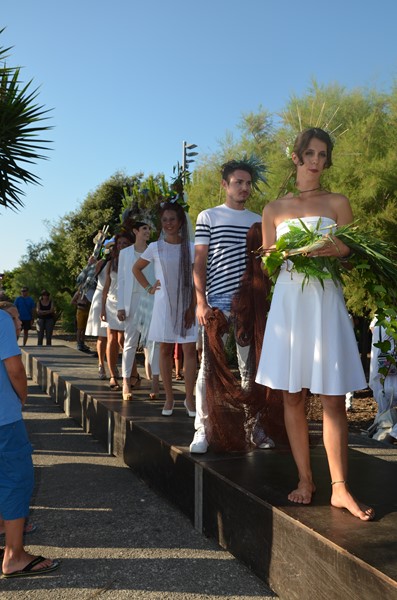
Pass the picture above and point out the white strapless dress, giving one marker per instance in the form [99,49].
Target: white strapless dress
[309,341]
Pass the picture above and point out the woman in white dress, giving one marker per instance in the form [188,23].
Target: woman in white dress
[95,327]
[115,331]
[309,342]
[173,318]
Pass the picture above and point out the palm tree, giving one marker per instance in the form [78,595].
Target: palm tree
[20,143]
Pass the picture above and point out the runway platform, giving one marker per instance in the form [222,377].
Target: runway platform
[303,552]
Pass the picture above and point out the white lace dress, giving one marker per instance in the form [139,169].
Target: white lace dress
[309,341]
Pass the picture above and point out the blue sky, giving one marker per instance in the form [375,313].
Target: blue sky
[129,80]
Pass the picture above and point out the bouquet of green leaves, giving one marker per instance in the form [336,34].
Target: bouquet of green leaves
[372,256]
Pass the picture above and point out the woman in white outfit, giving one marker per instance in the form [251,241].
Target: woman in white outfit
[115,328]
[309,342]
[130,296]
[95,327]
[173,318]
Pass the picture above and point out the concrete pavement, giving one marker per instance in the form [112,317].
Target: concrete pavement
[116,538]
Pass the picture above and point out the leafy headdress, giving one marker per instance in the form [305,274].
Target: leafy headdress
[254,165]
[296,123]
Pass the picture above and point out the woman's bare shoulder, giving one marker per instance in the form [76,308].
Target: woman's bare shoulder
[336,197]
[275,206]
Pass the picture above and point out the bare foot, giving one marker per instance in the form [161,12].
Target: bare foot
[10,565]
[342,498]
[303,493]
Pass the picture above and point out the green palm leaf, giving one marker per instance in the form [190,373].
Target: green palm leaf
[21,128]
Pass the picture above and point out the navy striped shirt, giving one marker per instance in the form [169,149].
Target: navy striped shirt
[224,231]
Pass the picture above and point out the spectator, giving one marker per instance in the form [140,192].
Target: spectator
[26,309]
[45,311]
[16,467]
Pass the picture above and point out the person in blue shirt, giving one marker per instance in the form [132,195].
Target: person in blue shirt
[16,466]
[26,308]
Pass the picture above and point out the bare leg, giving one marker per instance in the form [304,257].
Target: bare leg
[120,339]
[155,387]
[101,350]
[112,352]
[298,435]
[15,556]
[335,434]
[148,370]
[166,358]
[190,368]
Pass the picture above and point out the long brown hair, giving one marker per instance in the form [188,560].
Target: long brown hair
[235,412]
[185,265]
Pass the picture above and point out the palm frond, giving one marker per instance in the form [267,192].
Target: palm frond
[21,129]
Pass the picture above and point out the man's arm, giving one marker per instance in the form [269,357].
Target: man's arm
[17,375]
[200,282]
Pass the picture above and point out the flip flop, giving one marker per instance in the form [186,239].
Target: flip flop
[28,572]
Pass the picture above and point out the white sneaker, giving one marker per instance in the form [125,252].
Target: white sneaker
[260,439]
[266,444]
[199,444]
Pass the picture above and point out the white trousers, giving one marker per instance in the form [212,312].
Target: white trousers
[131,337]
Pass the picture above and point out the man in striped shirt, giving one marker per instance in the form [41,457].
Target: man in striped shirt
[220,261]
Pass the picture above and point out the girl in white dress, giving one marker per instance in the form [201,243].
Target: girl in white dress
[309,342]
[173,318]
[115,327]
[95,327]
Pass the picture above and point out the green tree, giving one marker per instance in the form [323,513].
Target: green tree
[55,263]
[20,133]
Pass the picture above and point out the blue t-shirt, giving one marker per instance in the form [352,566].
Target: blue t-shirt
[10,404]
[25,307]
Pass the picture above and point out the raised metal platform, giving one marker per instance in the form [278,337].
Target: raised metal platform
[303,552]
